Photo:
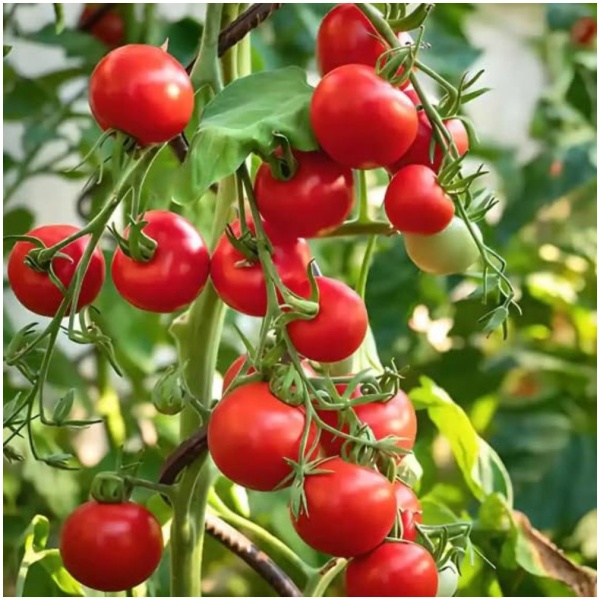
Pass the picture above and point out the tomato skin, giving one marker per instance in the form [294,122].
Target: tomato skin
[341,127]
[143,91]
[584,32]
[394,569]
[416,203]
[34,290]
[111,547]
[242,286]
[251,433]
[176,273]
[350,510]
[110,29]
[410,508]
[452,250]
[318,198]
[338,329]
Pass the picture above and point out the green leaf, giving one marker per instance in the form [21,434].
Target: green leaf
[8,162]
[6,49]
[76,44]
[17,221]
[242,119]
[183,39]
[481,467]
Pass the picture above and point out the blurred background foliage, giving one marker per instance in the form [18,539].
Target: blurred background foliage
[533,396]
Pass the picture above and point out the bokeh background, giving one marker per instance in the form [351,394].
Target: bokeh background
[533,396]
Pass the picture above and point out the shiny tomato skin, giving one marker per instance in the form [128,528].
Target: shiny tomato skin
[143,91]
[109,29]
[410,509]
[176,273]
[416,203]
[361,120]
[338,329]
[394,569]
[242,285]
[111,547]
[351,509]
[316,199]
[251,433]
[34,290]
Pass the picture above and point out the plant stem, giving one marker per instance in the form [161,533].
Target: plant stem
[317,585]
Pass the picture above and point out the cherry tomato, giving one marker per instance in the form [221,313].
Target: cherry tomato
[241,284]
[584,31]
[416,203]
[394,569]
[351,509]
[317,198]
[109,29]
[251,433]
[143,91]
[338,329]
[410,509]
[395,417]
[452,250]
[111,547]
[175,274]
[361,120]
[448,579]
[35,290]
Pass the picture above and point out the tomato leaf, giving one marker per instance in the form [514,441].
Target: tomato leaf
[481,467]
[242,119]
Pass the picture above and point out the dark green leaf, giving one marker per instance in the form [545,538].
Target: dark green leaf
[8,162]
[77,44]
[563,16]
[183,37]
[6,49]
[17,221]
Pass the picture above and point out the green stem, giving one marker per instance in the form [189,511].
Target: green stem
[206,68]
[317,585]
[352,228]
[361,286]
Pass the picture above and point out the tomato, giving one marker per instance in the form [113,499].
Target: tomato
[338,329]
[111,547]
[318,198]
[347,37]
[175,274]
[251,433]
[584,31]
[410,509]
[241,284]
[395,417]
[109,29]
[419,151]
[416,203]
[361,120]
[448,578]
[452,250]
[35,290]
[143,91]
[351,509]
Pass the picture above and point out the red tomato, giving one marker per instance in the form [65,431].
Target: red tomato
[109,29]
[35,290]
[394,569]
[395,417]
[241,284]
[350,510]
[416,203]
[584,31]
[175,274]
[143,91]
[338,329]
[318,198]
[361,120]
[410,509]
[111,547]
[251,433]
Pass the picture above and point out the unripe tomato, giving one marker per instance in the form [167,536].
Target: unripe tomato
[452,250]
[109,29]
[142,91]
[111,547]
[448,578]
[416,203]
[35,290]
[410,509]
[361,120]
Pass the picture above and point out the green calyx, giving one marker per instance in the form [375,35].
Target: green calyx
[110,488]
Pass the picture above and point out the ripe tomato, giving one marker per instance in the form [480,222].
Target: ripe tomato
[251,433]
[318,198]
[584,31]
[109,29]
[419,154]
[452,250]
[241,284]
[111,547]
[395,417]
[175,274]
[394,569]
[410,509]
[416,203]
[143,91]
[350,510]
[338,112]
[338,329]
[35,290]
